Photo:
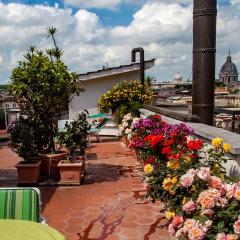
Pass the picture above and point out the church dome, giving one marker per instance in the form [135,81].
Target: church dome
[229,67]
[178,77]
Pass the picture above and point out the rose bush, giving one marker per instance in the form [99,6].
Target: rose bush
[201,202]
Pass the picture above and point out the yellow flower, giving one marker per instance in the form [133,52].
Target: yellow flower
[173,164]
[167,184]
[169,214]
[174,180]
[226,147]
[217,142]
[187,159]
[148,169]
[184,200]
[216,167]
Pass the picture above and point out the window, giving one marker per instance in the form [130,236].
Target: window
[14,105]
[7,105]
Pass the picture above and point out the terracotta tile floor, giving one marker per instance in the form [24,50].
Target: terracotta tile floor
[108,205]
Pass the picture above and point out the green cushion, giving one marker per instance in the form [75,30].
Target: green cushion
[26,230]
[22,204]
[99,115]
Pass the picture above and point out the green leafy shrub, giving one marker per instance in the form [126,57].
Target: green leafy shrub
[122,94]
[130,107]
[43,85]
[75,136]
[26,138]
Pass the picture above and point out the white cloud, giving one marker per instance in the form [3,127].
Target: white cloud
[162,28]
[107,4]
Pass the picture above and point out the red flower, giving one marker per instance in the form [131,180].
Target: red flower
[149,160]
[195,144]
[154,139]
[166,150]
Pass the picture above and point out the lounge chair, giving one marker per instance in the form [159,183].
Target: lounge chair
[20,204]
[96,128]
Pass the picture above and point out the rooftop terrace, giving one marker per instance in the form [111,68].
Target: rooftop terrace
[108,205]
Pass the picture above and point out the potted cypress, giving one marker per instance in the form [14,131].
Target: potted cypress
[27,146]
[74,138]
[42,84]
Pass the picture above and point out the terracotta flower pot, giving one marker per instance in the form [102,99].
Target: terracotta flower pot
[28,173]
[71,173]
[49,164]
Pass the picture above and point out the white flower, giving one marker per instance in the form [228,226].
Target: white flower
[128,130]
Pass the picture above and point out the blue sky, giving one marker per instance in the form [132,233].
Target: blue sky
[95,32]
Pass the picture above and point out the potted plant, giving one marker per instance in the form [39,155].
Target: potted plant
[27,146]
[75,140]
[43,85]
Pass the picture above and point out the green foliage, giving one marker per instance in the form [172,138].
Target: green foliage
[75,136]
[122,94]
[25,138]
[2,118]
[130,107]
[44,83]
[3,87]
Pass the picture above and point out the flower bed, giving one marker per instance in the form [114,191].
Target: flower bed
[201,202]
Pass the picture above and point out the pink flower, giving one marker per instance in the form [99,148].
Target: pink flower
[189,224]
[236,226]
[232,237]
[179,232]
[192,172]
[208,212]
[171,230]
[186,180]
[236,193]
[204,173]
[207,225]
[196,233]
[177,222]
[221,236]
[189,206]
[229,189]
[205,200]
[222,202]
[215,182]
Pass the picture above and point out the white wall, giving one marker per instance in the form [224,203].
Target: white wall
[94,89]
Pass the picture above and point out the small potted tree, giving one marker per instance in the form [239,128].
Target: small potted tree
[74,138]
[42,84]
[27,146]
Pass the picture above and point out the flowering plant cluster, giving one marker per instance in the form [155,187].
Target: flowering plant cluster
[122,93]
[201,202]
[127,124]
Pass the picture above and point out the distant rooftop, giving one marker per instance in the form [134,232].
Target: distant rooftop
[115,70]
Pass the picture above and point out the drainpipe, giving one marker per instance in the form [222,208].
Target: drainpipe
[204,51]
[142,69]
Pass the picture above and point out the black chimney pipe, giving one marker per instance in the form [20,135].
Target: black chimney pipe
[142,67]
[204,51]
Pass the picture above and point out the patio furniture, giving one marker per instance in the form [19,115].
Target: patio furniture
[99,121]
[27,230]
[20,204]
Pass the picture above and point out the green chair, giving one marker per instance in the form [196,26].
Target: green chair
[20,204]
[96,128]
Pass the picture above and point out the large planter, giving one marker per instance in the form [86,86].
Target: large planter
[28,173]
[71,173]
[49,164]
